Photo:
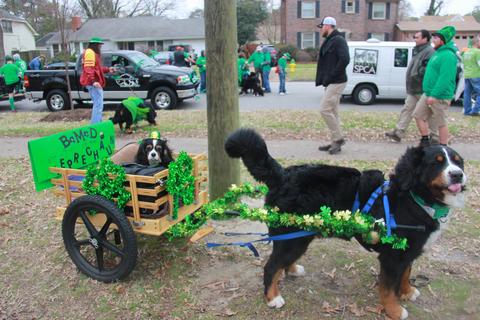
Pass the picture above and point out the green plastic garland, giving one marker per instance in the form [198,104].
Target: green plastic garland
[181,183]
[108,187]
[342,224]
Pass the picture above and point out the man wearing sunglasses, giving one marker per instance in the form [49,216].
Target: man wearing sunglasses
[414,78]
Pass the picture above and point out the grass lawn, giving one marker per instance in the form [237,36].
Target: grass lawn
[303,72]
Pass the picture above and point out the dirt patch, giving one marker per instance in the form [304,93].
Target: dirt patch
[68,116]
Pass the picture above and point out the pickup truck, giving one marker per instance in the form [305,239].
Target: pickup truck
[136,74]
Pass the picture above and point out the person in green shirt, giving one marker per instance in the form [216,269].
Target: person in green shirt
[202,69]
[266,68]
[471,62]
[11,74]
[243,68]
[258,57]
[282,72]
[22,65]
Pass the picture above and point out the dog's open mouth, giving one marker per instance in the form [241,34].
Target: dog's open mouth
[455,188]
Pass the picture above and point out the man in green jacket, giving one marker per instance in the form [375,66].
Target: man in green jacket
[438,86]
[258,57]
[11,76]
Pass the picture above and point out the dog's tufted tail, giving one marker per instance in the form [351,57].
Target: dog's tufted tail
[250,146]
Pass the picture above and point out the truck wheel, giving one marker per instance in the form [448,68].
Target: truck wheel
[57,100]
[364,94]
[163,98]
[99,238]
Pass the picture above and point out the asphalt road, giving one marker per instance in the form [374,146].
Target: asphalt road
[301,96]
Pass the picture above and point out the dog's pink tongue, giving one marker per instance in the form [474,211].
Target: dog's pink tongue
[454,188]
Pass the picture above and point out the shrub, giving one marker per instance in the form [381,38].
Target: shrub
[313,52]
[61,57]
[282,48]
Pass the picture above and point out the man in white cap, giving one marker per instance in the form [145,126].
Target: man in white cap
[333,59]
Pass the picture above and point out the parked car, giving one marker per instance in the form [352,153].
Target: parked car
[164,57]
[59,66]
[137,74]
[377,69]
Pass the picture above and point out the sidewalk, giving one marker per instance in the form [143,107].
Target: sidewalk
[287,149]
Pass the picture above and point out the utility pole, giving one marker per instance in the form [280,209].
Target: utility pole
[222,92]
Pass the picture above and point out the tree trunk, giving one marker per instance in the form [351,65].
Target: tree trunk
[222,92]
[2,46]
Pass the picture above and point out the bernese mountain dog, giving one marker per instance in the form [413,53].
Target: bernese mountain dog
[435,174]
[154,152]
[252,83]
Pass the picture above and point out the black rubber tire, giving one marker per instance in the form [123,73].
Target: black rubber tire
[127,254]
[164,98]
[364,94]
[57,100]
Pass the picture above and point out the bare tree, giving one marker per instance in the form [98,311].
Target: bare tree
[435,7]
[125,8]
[197,13]
[270,28]
[2,46]
[222,92]
[405,9]
[62,12]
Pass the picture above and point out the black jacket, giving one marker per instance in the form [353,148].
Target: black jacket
[333,59]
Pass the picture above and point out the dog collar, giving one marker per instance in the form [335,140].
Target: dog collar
[435,211]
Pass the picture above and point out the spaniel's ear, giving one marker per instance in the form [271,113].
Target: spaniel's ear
[406,170]
[141,157]
[166,155]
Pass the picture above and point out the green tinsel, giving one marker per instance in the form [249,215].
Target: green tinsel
[342,224]
[109,188]
[181,183]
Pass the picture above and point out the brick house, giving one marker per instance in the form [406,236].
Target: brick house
[356,19]
[467,27]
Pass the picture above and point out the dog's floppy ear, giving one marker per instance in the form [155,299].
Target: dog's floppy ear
[141,157]
[166,154]
[406,169]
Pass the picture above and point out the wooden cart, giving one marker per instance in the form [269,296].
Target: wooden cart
[100,238]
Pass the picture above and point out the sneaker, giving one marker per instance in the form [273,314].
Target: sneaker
[339,142]
[325,147]
[393,135]
[335,148]
[282,93]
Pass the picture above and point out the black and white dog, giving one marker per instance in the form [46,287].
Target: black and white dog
[154,152]
[123,116]
[251,82]
[426,181]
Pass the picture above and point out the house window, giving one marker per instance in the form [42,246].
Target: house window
[379,10]
[308,10]
[56,49]
[401,58]
[126,45]
[378,36]
[308,40]
[350,7]
[151,44]
[7,26]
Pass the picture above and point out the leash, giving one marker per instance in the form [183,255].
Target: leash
[249,244]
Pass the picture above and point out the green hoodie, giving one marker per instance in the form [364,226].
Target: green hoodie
[258,57]
[134,105]
[439,80]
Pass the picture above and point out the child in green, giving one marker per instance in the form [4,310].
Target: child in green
[11,75]
[282,72]
[243,68]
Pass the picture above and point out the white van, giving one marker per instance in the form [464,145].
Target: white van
[377,69]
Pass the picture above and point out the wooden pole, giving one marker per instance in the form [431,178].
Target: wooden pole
[222,92]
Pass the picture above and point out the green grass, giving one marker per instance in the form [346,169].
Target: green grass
[303,72]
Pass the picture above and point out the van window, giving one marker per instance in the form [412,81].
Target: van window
[401,58]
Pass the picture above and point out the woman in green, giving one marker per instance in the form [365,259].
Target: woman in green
[11,75]
[243,68]
[202,69]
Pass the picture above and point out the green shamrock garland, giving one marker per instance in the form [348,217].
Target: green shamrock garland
[108,187]
[342,224]
[181,183]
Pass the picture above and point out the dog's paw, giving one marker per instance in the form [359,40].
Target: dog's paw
[298,271]
[276,302]
[404,314]
[412,295]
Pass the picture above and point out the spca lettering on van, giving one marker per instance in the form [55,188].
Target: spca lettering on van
[365,61]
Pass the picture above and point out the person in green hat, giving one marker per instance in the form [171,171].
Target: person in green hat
[258,57]
[93,78]
[11,75]
[282,72]
[438,85]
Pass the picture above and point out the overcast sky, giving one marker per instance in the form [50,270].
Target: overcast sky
[184,7]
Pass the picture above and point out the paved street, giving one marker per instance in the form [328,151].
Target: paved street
[301,96]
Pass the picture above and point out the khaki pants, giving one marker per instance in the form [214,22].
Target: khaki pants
[406,115]
[436,112]
[329,109]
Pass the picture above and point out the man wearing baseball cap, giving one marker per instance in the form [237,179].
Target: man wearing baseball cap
[438,85]
[92,76]
[333,59]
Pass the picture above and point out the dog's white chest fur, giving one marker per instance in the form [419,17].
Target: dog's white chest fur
[435,235]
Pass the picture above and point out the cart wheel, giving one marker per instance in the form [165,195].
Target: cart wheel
[107,253]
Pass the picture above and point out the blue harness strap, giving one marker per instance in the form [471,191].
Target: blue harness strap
[249,244]
[389,218]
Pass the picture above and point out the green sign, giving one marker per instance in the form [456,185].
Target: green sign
[76,149]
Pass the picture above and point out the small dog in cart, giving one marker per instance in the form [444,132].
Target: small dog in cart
[132,110]
[154,151]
